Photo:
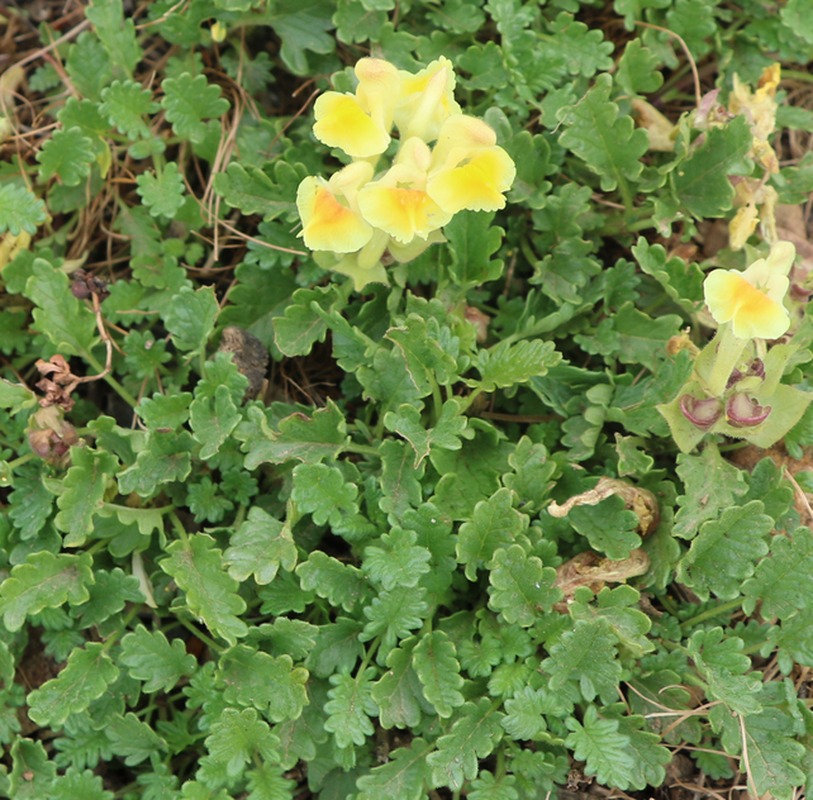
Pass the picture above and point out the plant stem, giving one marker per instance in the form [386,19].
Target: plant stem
[710,613]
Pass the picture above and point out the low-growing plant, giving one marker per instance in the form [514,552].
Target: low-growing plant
[405,399]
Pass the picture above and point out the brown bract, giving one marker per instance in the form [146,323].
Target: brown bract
[58,382]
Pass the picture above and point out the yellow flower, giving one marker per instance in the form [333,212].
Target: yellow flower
[469,171]
[397,203]
[426,100]
[342,122]
[360,123]
[329,210]
[752,300]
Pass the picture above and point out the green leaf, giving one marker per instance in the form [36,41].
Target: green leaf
[585,655]
[303,321]
[473,736]
[32,773]
[445,435]
[236,739]
[126,104]
[638,70]
[165,410]
[435,663]
[609,526]
[712,485]
[68,155]
[165,458]
[396,560]
[429,350]
[162,193]
[400,480]
[322,492]
[76,785]
[111,591]
[66,321]
[15,397]
[88,65]
[524,713]
[619,608]
[605,751]
[402,777]
[271,684]
[150,657]
[473,241]
[493,525]
[781,583]
[44,580]
[398,693]
[349,708]
[302,25]
[725,552]
[774,755]
[632,337]
[30,504]
[682,282]
[20,209]
[341,584]
[191,317]
[133,739]
[298,437]
[521,588]
[337,648]
[251,191]
[261,545]
[509,364]
[394,614]
[85,678]
[196,565]
[722,664]
[212,420]
[188,101]
[83,491]
[116,32]
[701,181]
[609,144]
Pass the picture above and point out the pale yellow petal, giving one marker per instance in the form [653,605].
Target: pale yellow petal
[341,122]
[326,223]
[759,317]
[379,89]
[753,313]
[477,185]
[427,100]
[402,213]
[720,288]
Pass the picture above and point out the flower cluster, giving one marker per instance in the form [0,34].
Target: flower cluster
[445,161]
[735,388]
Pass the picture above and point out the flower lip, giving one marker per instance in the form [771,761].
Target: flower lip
[701,412]
[342,122]
[743,411]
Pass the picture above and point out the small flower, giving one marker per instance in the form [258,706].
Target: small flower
[469,171]
[398,203]
[329,210]
[752,300]
[359,124]
[426,100]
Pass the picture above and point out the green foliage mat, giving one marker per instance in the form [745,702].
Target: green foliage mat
[264,536]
